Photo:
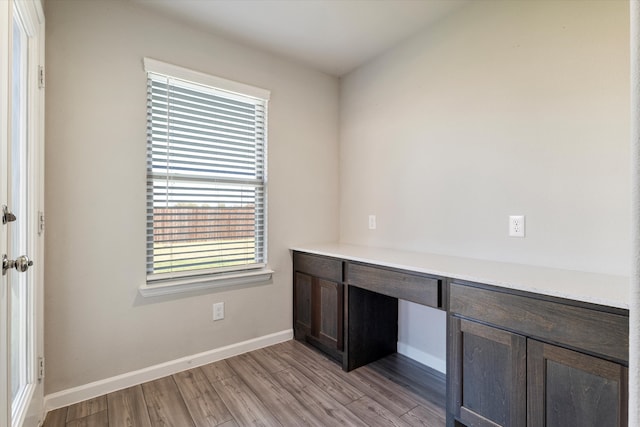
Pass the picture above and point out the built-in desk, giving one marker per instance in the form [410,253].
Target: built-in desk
[526,346]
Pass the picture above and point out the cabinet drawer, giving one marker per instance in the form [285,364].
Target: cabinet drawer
[585,329]
[399,284]
[319,266]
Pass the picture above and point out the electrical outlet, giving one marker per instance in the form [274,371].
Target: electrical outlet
[218,311]
[516,226]
[372,222]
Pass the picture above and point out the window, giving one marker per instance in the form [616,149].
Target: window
[206,176]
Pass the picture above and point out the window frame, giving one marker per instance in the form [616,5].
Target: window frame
[170,283]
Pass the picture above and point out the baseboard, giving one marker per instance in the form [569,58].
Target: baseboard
[427,359]
[73,395]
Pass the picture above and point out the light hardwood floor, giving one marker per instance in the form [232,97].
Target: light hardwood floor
[287,384]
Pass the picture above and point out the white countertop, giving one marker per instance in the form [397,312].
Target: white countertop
[593,288]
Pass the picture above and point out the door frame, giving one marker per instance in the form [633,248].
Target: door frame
[5,374]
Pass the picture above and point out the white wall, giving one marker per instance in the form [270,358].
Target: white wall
[503,108]
[97,325]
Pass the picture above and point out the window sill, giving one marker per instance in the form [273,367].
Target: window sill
[191,284]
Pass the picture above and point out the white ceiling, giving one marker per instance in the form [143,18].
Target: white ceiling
[334,36]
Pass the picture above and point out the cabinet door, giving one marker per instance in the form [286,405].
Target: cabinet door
[302,290]
[328,313]
[567,388]
[318,313]
[487,375]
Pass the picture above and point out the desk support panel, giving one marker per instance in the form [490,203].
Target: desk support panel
[372,327]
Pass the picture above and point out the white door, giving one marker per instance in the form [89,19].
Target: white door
[21,201]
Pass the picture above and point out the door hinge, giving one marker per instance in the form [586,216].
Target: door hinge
[41,76]
[40,223]
[40,369]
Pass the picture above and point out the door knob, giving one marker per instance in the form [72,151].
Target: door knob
[21,264]
[6,215]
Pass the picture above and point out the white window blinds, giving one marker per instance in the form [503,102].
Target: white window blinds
[206,178]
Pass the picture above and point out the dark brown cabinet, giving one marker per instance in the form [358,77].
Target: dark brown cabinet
[318,303]
[519,360]
[514,358]
[570,389]
[488,375]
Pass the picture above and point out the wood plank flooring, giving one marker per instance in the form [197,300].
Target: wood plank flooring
[288,384]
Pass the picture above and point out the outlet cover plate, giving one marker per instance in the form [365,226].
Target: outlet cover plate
[372,222]
[218,311]
[516,225]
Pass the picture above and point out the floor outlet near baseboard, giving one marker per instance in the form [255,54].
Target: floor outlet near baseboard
[218,311]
